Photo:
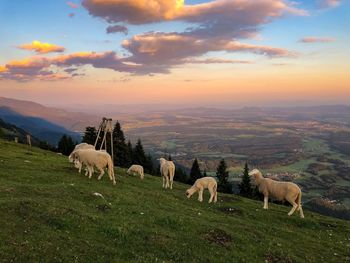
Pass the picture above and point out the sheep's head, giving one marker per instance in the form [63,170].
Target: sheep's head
[255,173]
[190,192]
[162,160]
[77,164]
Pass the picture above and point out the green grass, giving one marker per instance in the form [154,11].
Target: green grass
[48,213]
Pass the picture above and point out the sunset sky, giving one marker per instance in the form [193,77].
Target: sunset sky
[196,52]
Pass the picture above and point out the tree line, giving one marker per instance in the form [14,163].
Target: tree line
[125,154]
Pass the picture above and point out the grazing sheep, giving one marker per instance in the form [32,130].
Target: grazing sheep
[136,169]
[99,159]
[83,145]
[201,184]
[278,190]
[167,170]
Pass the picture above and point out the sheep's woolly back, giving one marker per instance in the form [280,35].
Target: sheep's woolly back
[276,189]
[80,146]
[135,168]
[167,168]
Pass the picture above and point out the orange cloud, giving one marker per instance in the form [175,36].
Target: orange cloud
[58,67]
[316,40]
[72,5]
[41,47]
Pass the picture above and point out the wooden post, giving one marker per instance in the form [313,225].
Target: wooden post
[29,140]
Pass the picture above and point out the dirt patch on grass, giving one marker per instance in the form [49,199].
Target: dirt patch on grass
[218,237]
[231,211]
[275,257]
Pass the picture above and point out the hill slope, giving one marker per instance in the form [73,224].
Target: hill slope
[49,213]
[38,127]
[74,121]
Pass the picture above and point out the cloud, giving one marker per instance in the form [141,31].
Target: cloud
[328,3]
[40,47]
[116,29]
[316,40]
[63,66]
[72,5]
[216,61]
[213,26]
[167,49]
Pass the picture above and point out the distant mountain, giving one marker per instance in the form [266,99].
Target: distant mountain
[73,121]
[38,127]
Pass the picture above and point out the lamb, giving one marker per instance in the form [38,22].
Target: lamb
[278,190]
[201,184]
[138,169]
[99,159]
[167,170]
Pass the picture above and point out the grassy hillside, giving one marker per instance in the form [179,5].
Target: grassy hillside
[48,213]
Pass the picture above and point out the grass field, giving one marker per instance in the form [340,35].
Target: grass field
[48,213]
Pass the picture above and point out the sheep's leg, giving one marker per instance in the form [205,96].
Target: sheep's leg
[90,171]
[167,182]
[200,195]
[215,195]
[80,165]
[212,194]
[163,182]
[102,172]
[266,202]
[300,209]
[295,206]
[171,183]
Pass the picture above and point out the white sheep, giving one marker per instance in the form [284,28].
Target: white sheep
[201,184]
[278,190]
[167,170]
[99,159]
[136,169]
[82,145]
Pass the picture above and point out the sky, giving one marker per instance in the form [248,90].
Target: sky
[198,52]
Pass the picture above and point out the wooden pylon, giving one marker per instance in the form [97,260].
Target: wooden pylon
[105,127]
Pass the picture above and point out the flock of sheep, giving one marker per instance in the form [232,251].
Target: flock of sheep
[85,154]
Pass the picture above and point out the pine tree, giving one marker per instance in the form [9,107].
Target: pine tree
[139,156]
[65,145]
[181,175]
[121,157]
[90,135]
[245,187]
[195,172]
[169,158]
[222,175]
[129,154]
[149,165]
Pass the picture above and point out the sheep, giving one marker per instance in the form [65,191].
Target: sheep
[201,184]
[278,190]
[167,170]
[99,159]
[82,145]
[138,169]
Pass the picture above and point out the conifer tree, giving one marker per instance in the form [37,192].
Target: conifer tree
[222,175]
[205,173]
[195,172]
[139,156]
[65,145]
[90,135]
[121,157]
[245,187]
